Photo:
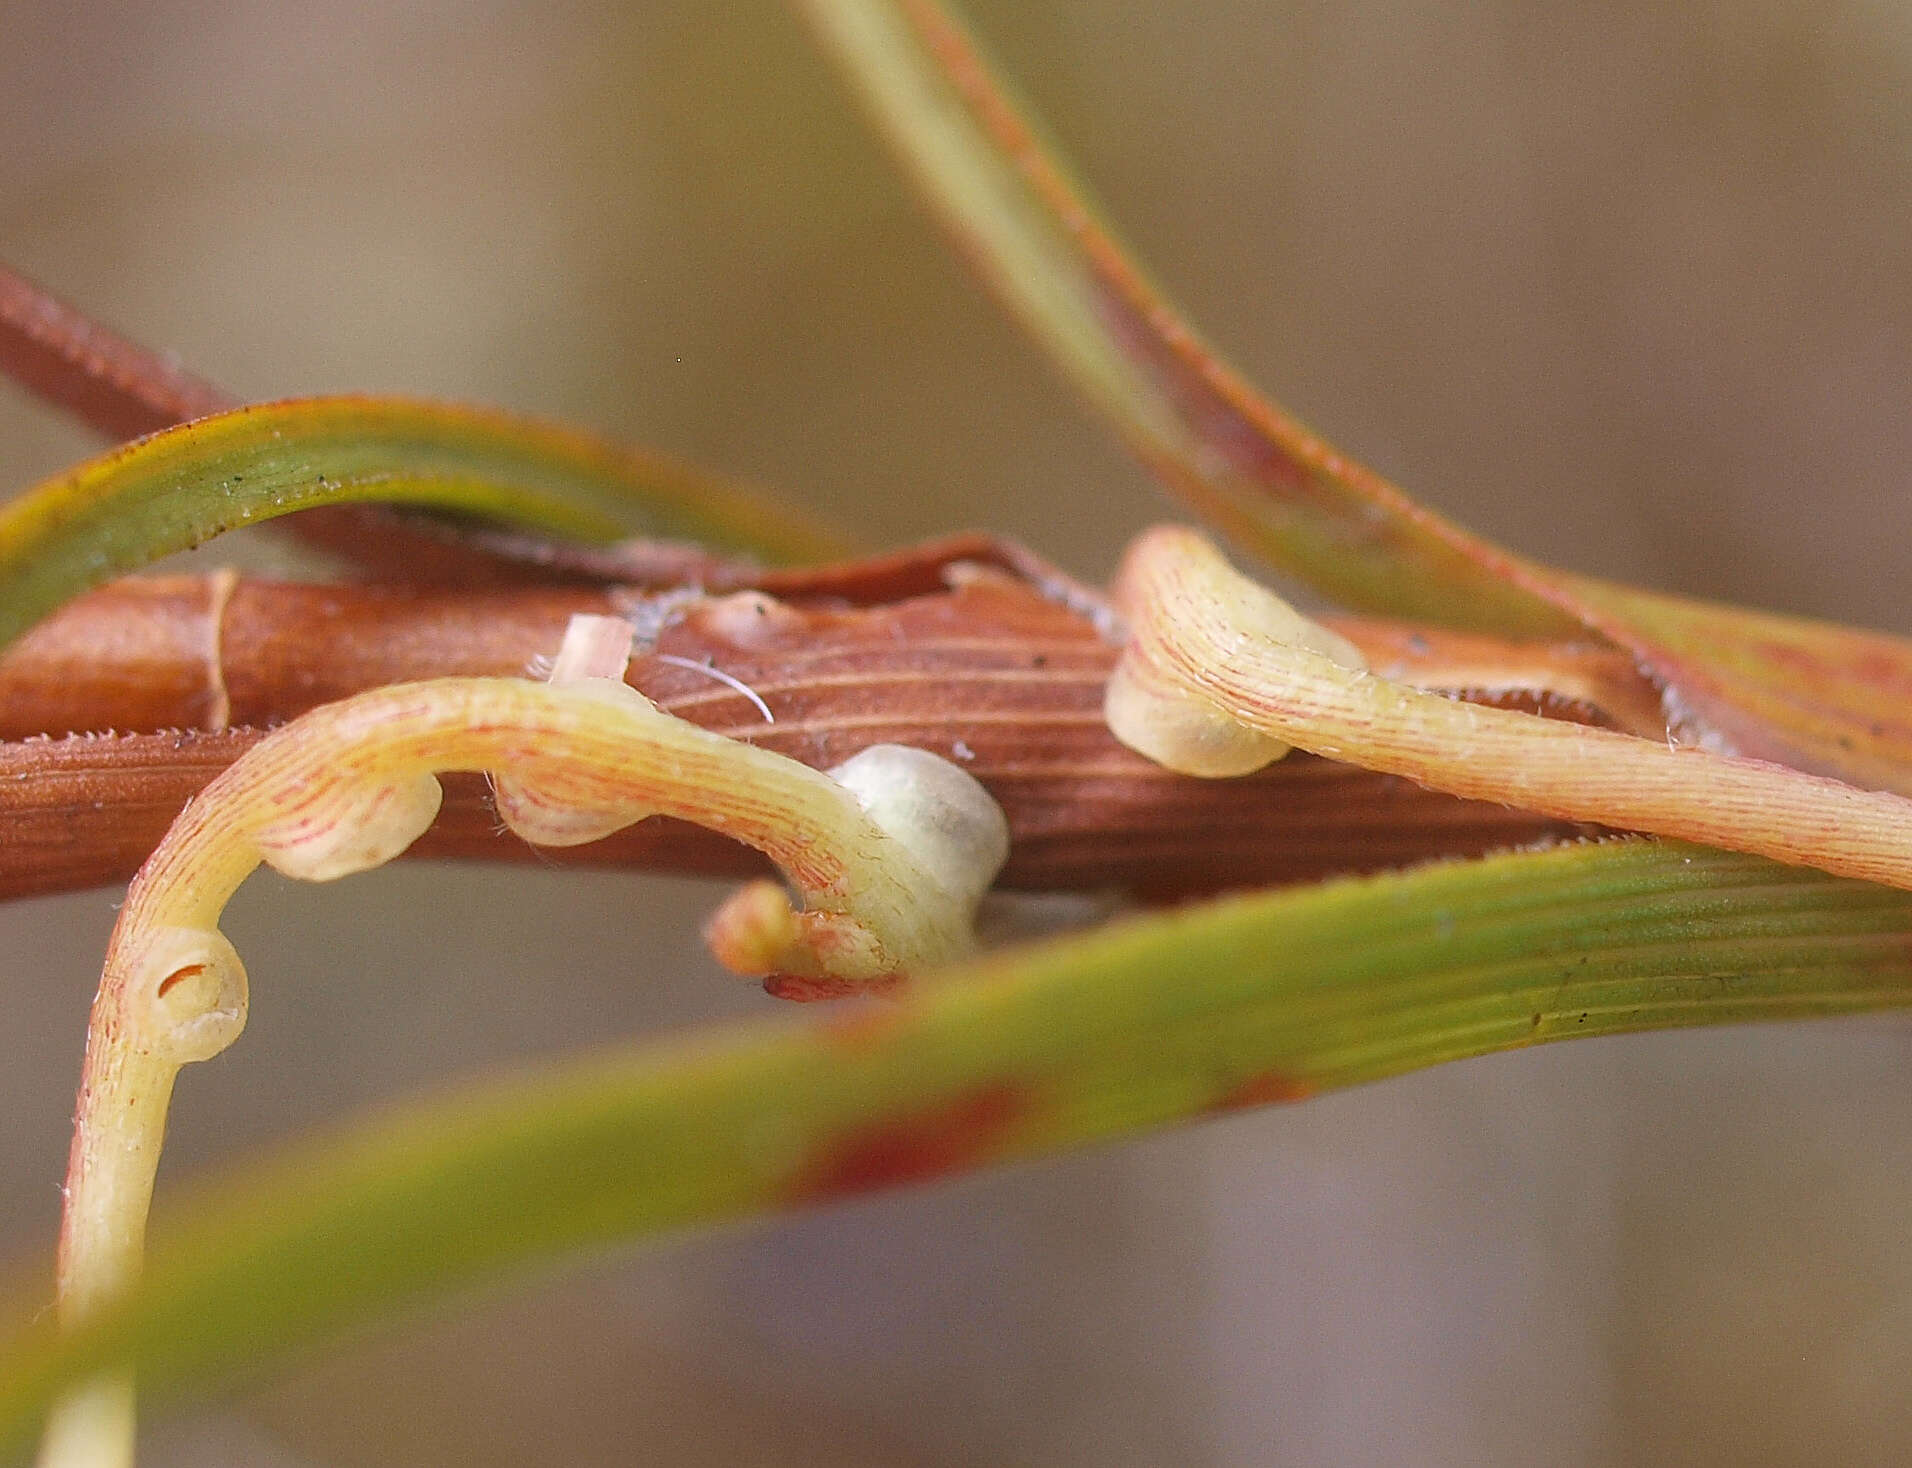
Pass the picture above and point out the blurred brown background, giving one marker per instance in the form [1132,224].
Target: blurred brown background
[1627,285]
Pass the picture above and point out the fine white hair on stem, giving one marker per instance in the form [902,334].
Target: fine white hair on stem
[710,670]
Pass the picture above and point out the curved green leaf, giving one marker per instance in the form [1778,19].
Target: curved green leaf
[178,488]
[1038,240]
[1271,997]
[1827,699]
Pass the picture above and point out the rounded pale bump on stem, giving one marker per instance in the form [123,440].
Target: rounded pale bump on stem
[1180,729]
[560,804]
[1206,641]
[559,813]
[337,828]
[938,824]
[938,811]
[185,993]
[1166,719]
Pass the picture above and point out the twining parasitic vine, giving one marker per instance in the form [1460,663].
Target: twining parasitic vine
[890,854]
[1220,676]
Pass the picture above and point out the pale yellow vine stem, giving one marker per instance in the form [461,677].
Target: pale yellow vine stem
[1220,676]
[890,855]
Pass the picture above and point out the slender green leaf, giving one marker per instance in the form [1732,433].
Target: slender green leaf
[1038,240]
[178,488]
[1159,1019]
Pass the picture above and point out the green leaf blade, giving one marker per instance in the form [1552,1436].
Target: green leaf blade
[175,489]
[1150,1022]
[1242,461]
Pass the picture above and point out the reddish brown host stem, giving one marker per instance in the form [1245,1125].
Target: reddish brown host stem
[988,672]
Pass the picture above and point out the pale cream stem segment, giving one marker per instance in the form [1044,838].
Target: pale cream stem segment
[1215,680]
[888,886]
